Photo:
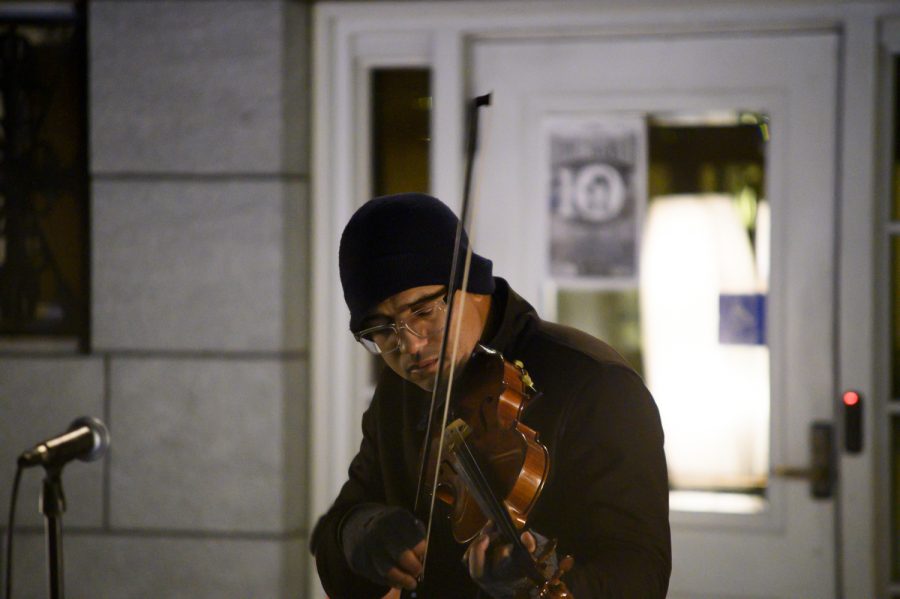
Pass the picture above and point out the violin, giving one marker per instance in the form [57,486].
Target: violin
[486,464]
[490,456]
[494,467]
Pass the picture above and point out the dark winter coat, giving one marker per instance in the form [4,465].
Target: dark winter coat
[606,500]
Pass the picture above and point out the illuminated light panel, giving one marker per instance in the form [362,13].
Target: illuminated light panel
[713,397]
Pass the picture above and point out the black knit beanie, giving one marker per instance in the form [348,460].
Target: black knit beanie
[396,242]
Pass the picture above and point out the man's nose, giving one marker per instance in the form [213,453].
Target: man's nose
[411,343]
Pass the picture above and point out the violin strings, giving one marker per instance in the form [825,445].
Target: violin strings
[478,481]
[497,508]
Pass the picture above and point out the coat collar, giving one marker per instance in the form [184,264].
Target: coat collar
[513,315]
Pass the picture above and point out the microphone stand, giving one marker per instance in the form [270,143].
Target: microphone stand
[53,504]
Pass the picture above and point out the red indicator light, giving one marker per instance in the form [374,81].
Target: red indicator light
[851,398]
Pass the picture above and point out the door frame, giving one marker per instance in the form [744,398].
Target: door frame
[352,37]
[885,407]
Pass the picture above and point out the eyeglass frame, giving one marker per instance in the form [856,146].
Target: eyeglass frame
[439,299]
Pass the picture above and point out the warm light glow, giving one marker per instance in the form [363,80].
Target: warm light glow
[713,397]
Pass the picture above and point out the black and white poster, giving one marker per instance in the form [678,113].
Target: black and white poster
[597,195]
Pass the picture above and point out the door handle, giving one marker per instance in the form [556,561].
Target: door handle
[821,472]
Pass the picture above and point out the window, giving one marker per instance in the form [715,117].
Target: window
[693,321]
[43,173]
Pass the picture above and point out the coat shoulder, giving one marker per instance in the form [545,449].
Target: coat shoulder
[575,344]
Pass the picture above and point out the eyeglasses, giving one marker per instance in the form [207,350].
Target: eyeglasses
[425,321]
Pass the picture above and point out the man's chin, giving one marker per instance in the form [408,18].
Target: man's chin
[423,381]
[424,378]
[429,387]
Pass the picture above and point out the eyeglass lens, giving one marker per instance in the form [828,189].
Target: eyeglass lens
[422,323]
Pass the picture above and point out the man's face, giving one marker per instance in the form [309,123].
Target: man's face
[417,357]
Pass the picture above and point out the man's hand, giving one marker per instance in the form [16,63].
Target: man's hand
[491,564]
[384,543]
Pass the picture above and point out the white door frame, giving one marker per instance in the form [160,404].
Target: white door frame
[352,37]
[888,49]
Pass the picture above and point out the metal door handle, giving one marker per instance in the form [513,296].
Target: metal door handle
[820,472]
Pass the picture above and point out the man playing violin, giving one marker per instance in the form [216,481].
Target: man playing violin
[606,500]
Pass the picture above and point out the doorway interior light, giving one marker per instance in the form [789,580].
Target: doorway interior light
[713,397]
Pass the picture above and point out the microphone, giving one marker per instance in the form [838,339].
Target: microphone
[87,439]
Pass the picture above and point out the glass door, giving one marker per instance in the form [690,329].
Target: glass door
[675,197]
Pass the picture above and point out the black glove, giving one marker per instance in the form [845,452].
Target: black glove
[503,579]
[374,535]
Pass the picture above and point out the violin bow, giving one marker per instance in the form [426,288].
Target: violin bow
[441,381]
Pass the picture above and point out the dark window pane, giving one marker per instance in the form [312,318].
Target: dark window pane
[895,317]
[43,176]
[895,171]
[401,130]
[687,158]
[895,494]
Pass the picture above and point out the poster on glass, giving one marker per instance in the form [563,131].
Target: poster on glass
[596,198]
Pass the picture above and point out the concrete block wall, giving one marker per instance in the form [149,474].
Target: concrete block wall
[199,357]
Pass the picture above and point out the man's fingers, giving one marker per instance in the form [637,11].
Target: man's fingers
[409,563]
[400,580]
[407,568]
[476,554]
[480,551]
[529,541]
[419,550]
